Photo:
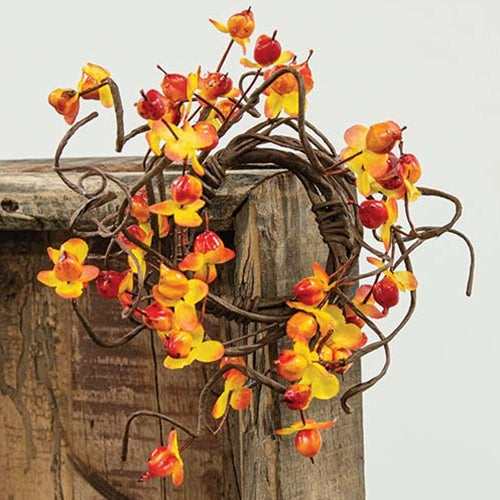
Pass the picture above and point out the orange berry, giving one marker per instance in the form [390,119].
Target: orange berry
[308,442]
[382,137]
[301,326]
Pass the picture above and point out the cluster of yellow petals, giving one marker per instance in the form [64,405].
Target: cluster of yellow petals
[234,394]
[166,461]
[70,275]
[92,85]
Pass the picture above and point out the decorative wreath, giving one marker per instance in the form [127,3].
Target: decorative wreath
[162,257]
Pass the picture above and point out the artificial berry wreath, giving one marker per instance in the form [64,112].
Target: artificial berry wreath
[162,257]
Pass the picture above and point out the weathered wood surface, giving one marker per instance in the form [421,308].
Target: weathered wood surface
[64,400]
[33,197]
[277,241]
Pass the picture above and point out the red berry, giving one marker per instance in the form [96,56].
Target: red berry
[152,106]
[267,50]
[215,85]
[393,178]
[297,396]
[161,463]
[410,167]
[157,317]
[108,283]
[310,291]
[386,293]
[208,132]
[178,344]
[206,242]
[373,213]
[174,87]
[186,189]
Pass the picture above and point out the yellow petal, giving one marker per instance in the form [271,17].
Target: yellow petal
[284,57]
[363,182]
[167,207]
[240,398]
[249,64]
[220,405]
[220,26]
[154,142]
[219,255]
[70,290]
[76,247]
[54,254]
[273,105]
[412,193]
[105,96]
[347,336]
[355,137]
[192,262]
[185,316]
[405,280]
[208,351]
[186,217]
[291,103]
[47,278]
[178,363]
[197,166]
[324,385]
[89,273]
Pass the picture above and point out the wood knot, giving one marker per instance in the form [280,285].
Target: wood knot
[9,205]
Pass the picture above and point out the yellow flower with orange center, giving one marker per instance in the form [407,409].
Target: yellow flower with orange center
[239,26]
[234,394]
[302,365]
[186,191]
[184,347]
[70,275]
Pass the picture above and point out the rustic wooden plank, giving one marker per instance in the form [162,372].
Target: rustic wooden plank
[276,241]
[33,197]
[64,401]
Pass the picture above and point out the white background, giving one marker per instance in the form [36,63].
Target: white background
[431,426]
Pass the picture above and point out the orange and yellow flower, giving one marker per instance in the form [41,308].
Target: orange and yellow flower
[239,26]
[313,290]
[182,143]
[363,301]
[303,366]
[209,250]
[188,347]
[166,461]
[175,290]
[94,75]
[369,165]
[66,102]
[70,275]
[404,280]
[186,191]
[283,93]
[234,394]
[308,439]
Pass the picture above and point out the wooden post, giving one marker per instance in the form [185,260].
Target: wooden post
[64,401]
[277,240]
